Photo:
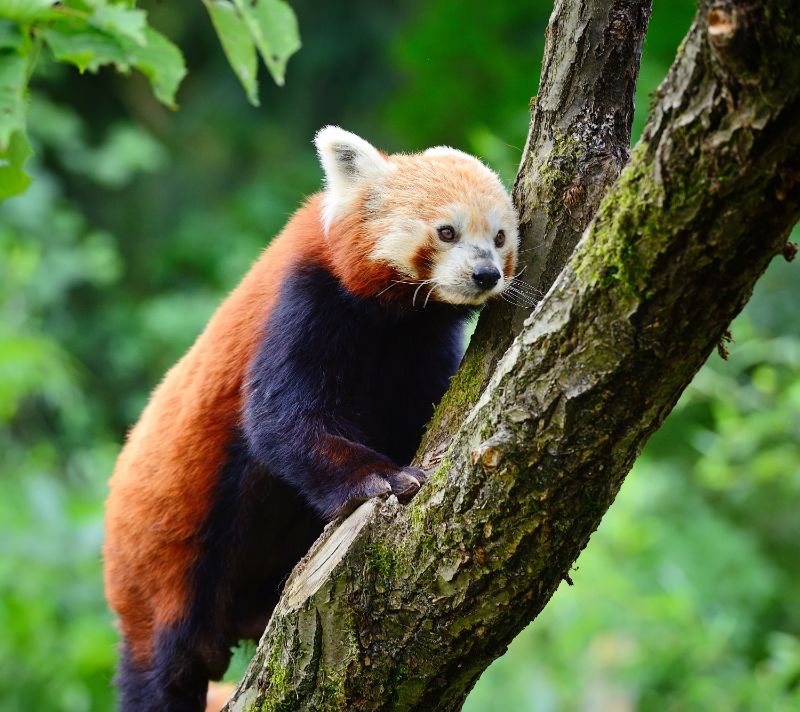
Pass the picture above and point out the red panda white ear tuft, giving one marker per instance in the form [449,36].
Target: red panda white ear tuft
[349,163]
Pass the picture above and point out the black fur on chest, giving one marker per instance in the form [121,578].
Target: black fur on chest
[372,372]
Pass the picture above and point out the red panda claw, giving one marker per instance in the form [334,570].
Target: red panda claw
[372,486]
[419,475]
[404,485]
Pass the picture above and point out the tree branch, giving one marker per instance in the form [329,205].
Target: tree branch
[578,142]
[403,608]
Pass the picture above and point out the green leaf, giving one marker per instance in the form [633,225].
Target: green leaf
[13,179]
[14,146]
[13,78]
[273,26]
[162,63]
[122,21]
[25,10]
[11,36]
[89,48]
[237,43]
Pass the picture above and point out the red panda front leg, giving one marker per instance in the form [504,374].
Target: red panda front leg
[333,473]
[358,473]
[303,419]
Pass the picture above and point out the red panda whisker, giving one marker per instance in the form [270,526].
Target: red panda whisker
[394,283]
[429,295]
[386,289]
[519,273]
[416,291]
[532,246]
[522,303]
[519,304]
[524,286]
[508,300]
[515,289]
[506,297]
[522,297]
[530,295]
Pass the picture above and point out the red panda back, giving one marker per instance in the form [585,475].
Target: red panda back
[161,488]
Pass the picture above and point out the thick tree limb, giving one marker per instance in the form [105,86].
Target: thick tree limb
[578,142]
[403,608]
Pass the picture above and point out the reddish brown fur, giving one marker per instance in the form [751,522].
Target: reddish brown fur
[509,263]
[180,443]
[423,258]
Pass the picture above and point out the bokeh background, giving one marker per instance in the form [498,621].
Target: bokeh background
[140,219]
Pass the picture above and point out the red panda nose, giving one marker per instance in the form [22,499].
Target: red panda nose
[486,276]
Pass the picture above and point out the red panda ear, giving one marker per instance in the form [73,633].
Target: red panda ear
[349,163]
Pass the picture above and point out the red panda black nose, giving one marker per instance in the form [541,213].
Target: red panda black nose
[486,276]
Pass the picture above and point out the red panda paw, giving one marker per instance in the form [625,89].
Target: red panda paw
[406,483]
[371,486]
[419,475]
[403,484]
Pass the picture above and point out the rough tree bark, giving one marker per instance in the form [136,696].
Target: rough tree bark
[404,607]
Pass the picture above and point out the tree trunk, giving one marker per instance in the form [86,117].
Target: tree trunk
[404,607]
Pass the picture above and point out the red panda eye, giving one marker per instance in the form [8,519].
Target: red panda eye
[446,233]
[500,238]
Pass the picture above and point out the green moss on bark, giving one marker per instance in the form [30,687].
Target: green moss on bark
[280,680]
[628,222]
[556,172]
[382,559]
[331,692]
[460,397]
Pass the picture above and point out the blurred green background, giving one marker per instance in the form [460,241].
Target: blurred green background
[140,219]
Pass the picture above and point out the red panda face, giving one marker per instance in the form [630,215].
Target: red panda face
[437,225]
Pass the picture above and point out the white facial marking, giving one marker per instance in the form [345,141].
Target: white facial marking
[399,241]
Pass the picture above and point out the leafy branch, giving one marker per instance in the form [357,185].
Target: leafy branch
[90,34]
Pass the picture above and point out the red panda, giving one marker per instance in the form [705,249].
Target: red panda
[306,394]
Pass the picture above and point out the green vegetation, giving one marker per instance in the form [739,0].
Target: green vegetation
[91,34]
[139,218]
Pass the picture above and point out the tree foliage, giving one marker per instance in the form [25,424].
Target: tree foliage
[90,34]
